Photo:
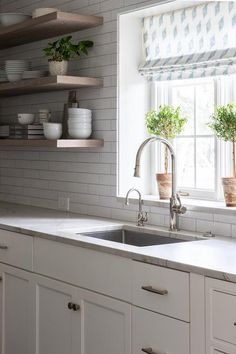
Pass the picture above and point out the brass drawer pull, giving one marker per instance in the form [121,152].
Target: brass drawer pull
[72,306]
[150,351]
[3,247]
[155,290]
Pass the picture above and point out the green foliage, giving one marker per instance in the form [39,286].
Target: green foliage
[64,49]
[223,122]
[168,122]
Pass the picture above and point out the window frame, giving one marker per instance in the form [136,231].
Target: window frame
[225,91]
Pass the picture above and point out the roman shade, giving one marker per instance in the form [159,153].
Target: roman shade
[193,42]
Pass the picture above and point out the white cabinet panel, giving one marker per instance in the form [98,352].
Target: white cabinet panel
[106,325]
[17,311]
[57,327]
[220,316]
[16,249]
[101,272]
[100,324]
[162,290]
[158,334]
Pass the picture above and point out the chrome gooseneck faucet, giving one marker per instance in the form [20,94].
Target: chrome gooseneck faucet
[176,207]
[142,215]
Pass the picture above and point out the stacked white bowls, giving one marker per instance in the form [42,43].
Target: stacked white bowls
[80,123]
[15,69]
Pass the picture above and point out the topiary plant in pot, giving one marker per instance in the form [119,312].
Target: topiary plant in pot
[223,123]
[167,123]
[60,52]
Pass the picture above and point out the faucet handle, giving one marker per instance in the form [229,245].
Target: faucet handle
[180,208]
[142,218]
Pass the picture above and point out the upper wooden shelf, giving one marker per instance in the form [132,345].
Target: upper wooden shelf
[61,143]
[49,83]
[47,26]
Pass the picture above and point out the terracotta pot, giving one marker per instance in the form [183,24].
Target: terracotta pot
[164,182]
[229,187]
[58,67]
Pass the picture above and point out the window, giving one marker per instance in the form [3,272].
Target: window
[201,158]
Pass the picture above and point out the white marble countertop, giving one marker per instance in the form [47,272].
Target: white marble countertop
[214,257]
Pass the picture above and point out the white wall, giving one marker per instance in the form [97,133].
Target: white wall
[40,176]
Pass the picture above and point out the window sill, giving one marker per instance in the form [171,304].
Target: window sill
[206,206]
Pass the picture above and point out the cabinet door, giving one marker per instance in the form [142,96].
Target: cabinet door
[57,324]
[106,325]
[157,334]
[16,311]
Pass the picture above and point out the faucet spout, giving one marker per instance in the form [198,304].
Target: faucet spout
[175,203]
[142,216]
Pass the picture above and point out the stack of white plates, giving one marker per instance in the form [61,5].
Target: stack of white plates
[80,123]
[15,68]
[43,11]
[3,76]
[33,74]
[4,131]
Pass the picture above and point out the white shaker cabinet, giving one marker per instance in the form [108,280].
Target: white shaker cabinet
[57,325]
[16,309]
[106,325]
[220,317]
[74,321]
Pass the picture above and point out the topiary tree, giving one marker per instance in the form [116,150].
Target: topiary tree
[167,123]
[224,125]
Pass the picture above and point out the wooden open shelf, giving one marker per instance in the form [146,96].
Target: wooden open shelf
[61,143]
[44,84]
[47,26]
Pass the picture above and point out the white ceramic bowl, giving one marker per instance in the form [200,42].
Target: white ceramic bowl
[9,19]
[14,77]
[43,11]
[25,118]
[80,134]
[52,131]
[79,126]
[80,120]
[79,111]
[79,115]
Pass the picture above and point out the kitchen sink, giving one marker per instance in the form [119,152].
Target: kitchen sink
[134,238]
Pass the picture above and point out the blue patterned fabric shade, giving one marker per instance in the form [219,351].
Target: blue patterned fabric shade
[194,42]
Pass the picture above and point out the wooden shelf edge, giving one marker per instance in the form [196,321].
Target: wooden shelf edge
[61,143]
[36,29]
[48,83]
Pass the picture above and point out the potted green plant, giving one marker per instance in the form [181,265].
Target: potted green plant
[60,52]
[223,123]
[167,122]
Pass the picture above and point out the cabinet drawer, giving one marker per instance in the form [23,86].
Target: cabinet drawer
[161,290]
[16,249]
[154,333]
[105,273]
[221,312]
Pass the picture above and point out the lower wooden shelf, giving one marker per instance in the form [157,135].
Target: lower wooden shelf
[49,83]
[61,143]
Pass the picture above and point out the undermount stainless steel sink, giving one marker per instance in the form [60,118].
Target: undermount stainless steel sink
[134,238]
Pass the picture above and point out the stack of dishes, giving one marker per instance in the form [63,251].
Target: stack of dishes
[15,68]
[4,131]
[3,76]
[33,74]
[43,11]
[80,123]
[9,19]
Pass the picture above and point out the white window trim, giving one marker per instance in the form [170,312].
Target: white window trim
[225,92]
